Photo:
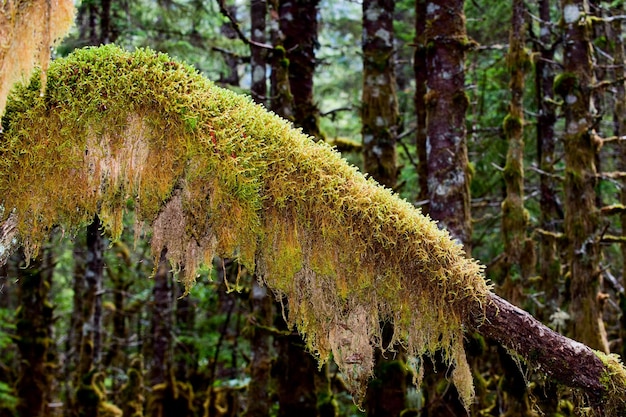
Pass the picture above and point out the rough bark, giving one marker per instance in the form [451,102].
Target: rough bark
[569,362]
[581,214]
[161,311]
[620,130]
[258,87]
[446,104]
[261,318]
[549,258]
[379,112]
[298,23]
[419,67]
[282,99]
[34,320]
[229,75]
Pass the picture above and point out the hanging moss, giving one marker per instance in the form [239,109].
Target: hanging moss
[29,29]
[237,182]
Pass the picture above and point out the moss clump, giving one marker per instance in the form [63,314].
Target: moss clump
[241,182]
[614,381]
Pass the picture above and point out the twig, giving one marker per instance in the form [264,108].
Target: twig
[237,29]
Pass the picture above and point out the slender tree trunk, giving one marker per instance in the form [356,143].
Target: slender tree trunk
[229,75]
[261,317]
[282,99]
[551,212]
[518,249]
[258,87]
[419,66]
[298,23]
[446,155]
[581,214]
[160,358]
[620,130]
[446,104]
[514,215]
[88,321]
[380,117]
[34,321]
[379,111]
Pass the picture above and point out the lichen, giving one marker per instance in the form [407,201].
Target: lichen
[239,182]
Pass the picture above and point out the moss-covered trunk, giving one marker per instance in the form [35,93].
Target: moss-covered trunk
[34,321]
[379,104]
[581,214]
[517,262]
[446,104]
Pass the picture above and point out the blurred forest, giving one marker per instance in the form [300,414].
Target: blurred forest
[504,121]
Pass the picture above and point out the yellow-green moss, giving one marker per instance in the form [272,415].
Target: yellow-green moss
[614,381]
[238,182]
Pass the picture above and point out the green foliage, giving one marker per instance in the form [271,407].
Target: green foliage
[242,184]
[8,400]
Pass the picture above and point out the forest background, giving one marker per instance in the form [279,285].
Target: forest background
[474,115]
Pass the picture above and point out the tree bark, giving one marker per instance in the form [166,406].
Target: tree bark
[446,104]
[298,23]
[258,87]
[549,258]
[581,214]
[33,323]
[379,112]
[569,362]
[514,215]
[419,67]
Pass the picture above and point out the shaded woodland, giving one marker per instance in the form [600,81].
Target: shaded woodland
[505,123]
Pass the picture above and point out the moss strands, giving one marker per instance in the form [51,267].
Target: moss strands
[114,129]
[28,28]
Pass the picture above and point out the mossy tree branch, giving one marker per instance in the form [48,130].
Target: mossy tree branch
[211,173]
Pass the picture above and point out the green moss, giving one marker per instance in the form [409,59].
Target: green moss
[512,124]
[566,83]
[237,182]
[614,382]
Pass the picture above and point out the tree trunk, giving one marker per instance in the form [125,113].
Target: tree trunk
[90,313]
[620,130]
[581,214]
[261,318]
[34,320]
[446,103]
[379,111]
[258,87]
[551,212]
[161,312]
[517,261]
[419,66]
[298,23]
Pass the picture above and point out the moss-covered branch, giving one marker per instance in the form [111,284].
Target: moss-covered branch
[211,173]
